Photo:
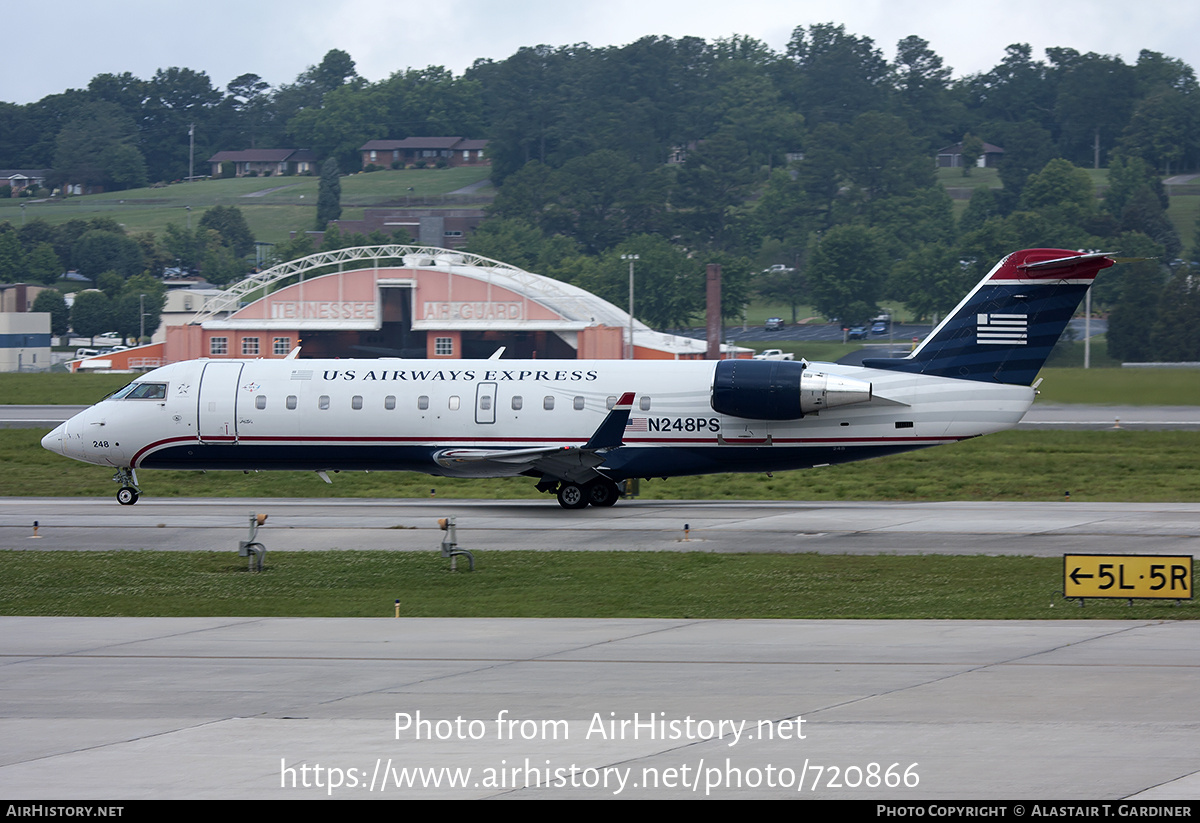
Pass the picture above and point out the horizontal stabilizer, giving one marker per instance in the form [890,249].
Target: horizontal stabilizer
[611,433]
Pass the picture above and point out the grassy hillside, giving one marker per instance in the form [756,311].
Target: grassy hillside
[273,206]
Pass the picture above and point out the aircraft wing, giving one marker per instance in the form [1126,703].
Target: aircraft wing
[565,462]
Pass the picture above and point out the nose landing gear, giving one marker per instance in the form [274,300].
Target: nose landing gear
[129,491]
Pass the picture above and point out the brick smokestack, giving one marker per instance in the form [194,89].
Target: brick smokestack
[712,293]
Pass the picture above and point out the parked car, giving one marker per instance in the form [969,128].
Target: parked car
[857,333]
[879,327]
[773,324]
[775,354]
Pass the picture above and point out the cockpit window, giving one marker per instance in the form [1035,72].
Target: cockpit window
[121,392]
[148,391]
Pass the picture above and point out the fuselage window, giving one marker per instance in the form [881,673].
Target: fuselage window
[454,402]
[148,391]
[423,402]
[260,402]
[644,403]
[548,402]
[516,402]
[485,402]
[291,401]
[356,402]
[610,401]
[323,402]
[578,403]
[389,402]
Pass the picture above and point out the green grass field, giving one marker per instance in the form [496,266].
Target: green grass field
[551,584]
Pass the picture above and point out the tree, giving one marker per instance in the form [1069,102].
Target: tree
[12,259]
[128,306]
[52,302]
[97,251]
[1130,323]
[668,286]
[42,265]
[229,222]
[329,195]
[91,313]
[972,150]
[848,269]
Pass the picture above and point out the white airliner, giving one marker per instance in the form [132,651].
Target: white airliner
[581,427]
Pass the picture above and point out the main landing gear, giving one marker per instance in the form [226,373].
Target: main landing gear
[129,491]
[599,492]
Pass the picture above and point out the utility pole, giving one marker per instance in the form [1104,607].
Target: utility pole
[630,258]
[191,151]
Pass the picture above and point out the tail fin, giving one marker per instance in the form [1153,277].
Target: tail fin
[1003,331]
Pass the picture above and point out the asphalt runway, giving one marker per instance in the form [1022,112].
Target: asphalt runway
[258,708]
[831,527]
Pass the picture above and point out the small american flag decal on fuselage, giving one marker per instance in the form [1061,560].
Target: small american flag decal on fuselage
[1003,329]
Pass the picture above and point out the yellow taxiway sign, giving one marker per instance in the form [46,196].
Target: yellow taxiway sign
[1166,577]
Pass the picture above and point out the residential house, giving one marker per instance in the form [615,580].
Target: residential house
[265,162]
[454,151]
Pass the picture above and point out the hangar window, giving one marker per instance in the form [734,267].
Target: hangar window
[548,402]
[516,402]
[443,346]
[249,346]
[454,402]
[610,401]
[644,403]
[356,402]
[389,402]
[218,345]
[281,346]
[578,403]
[323,402]
[291,401]
[423,402]
[260,402]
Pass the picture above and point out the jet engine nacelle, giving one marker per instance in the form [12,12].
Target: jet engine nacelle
[780,389]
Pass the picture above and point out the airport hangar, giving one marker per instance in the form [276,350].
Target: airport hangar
[416,302]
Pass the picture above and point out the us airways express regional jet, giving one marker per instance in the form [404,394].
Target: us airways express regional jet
[581,427]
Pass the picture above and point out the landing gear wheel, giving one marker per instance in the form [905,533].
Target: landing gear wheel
[571,496]
[127,496]
[602,492]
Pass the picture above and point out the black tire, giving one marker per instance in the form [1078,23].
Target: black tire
[127,496]
[602,493]
[572,496]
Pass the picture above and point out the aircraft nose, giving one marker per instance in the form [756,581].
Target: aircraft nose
[54,440]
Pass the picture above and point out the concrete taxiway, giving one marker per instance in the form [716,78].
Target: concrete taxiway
[281,708]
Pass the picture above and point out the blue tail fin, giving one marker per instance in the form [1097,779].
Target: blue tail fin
[1003,331]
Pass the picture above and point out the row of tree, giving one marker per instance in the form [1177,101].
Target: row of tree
[644,100]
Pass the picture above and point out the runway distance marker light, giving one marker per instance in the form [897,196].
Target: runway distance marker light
[1127,576]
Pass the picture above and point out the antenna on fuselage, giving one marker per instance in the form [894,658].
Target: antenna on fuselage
[293,354]
[496,354]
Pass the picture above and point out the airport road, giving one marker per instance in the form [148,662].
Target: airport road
[833,527]
[128,708]
[1071,417]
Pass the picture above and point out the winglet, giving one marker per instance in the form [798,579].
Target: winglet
[611,433]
